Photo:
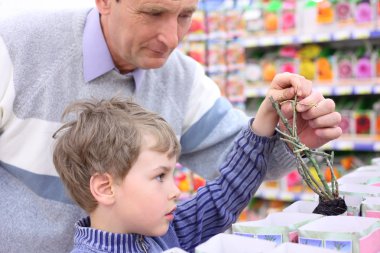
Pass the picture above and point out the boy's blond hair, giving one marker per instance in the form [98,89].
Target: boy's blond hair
[105,137]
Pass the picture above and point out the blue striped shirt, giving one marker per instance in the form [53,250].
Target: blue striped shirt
[211,211]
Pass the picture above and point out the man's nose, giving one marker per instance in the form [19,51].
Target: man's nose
[169,34]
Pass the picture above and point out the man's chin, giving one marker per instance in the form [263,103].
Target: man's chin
[154,64]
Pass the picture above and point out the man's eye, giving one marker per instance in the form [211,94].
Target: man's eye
[154,14]
[160,177]
[189,16]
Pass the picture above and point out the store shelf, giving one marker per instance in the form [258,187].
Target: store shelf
[355,142]
[215,36]
[274,40]
[336,89]
[270,194]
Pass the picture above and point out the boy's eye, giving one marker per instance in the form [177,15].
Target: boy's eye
[160,177]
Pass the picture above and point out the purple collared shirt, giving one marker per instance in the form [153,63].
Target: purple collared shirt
[97,58]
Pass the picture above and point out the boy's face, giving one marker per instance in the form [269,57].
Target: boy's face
[145,199]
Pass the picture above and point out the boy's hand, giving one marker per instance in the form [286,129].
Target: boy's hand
[317,121]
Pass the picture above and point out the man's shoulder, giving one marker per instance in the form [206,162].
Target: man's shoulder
[33,24]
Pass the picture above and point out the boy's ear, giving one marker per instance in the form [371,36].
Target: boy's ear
[101,186]
[104,6]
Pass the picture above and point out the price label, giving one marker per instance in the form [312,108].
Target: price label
[376,146]
[250,42]
[343,90]
[287,196]
[325,90]
[341,35]
[363,89]
[251,92]
[285,40]
[328,146]
[361,34]
[322,37]
[376,89]
[344,145]
[263,91]
[305,38]
[267,41]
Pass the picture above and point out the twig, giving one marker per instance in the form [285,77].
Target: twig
[303,152]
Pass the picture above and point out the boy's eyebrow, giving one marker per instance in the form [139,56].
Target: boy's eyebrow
[165,168]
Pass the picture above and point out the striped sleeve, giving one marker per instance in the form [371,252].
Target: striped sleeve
[210,126]
[217,205]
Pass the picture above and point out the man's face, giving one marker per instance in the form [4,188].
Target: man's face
[143,33]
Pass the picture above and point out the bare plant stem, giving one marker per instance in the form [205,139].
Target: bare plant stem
[302,152]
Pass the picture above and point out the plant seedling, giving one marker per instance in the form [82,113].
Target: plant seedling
[329,201]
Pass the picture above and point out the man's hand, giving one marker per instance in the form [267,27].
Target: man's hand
[317,120]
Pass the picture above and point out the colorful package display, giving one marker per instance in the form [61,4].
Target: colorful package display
[288,18]
[364,13]
[198,23]
[325,12]
[235,55]
[197,51]
[345,68]
[349,234]
[371,207]
[216,54]
[344,14]
[254,21]
[226,243]
[324,69]
[376,110]
[215,22]
[364,121]
[289,247]
[276,227]
[235,24]
[235,86]
[346,123]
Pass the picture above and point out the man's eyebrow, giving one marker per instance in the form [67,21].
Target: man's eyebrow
[190,9]
[150,8]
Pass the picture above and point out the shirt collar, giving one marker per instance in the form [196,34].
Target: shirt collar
[97,59]
[98,240]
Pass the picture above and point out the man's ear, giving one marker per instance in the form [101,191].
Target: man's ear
[101,186]
[104,6]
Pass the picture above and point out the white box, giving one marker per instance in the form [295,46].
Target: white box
[371,207]
[276,227]
[289,247]
[301,206]
[227,243]
[343,233]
